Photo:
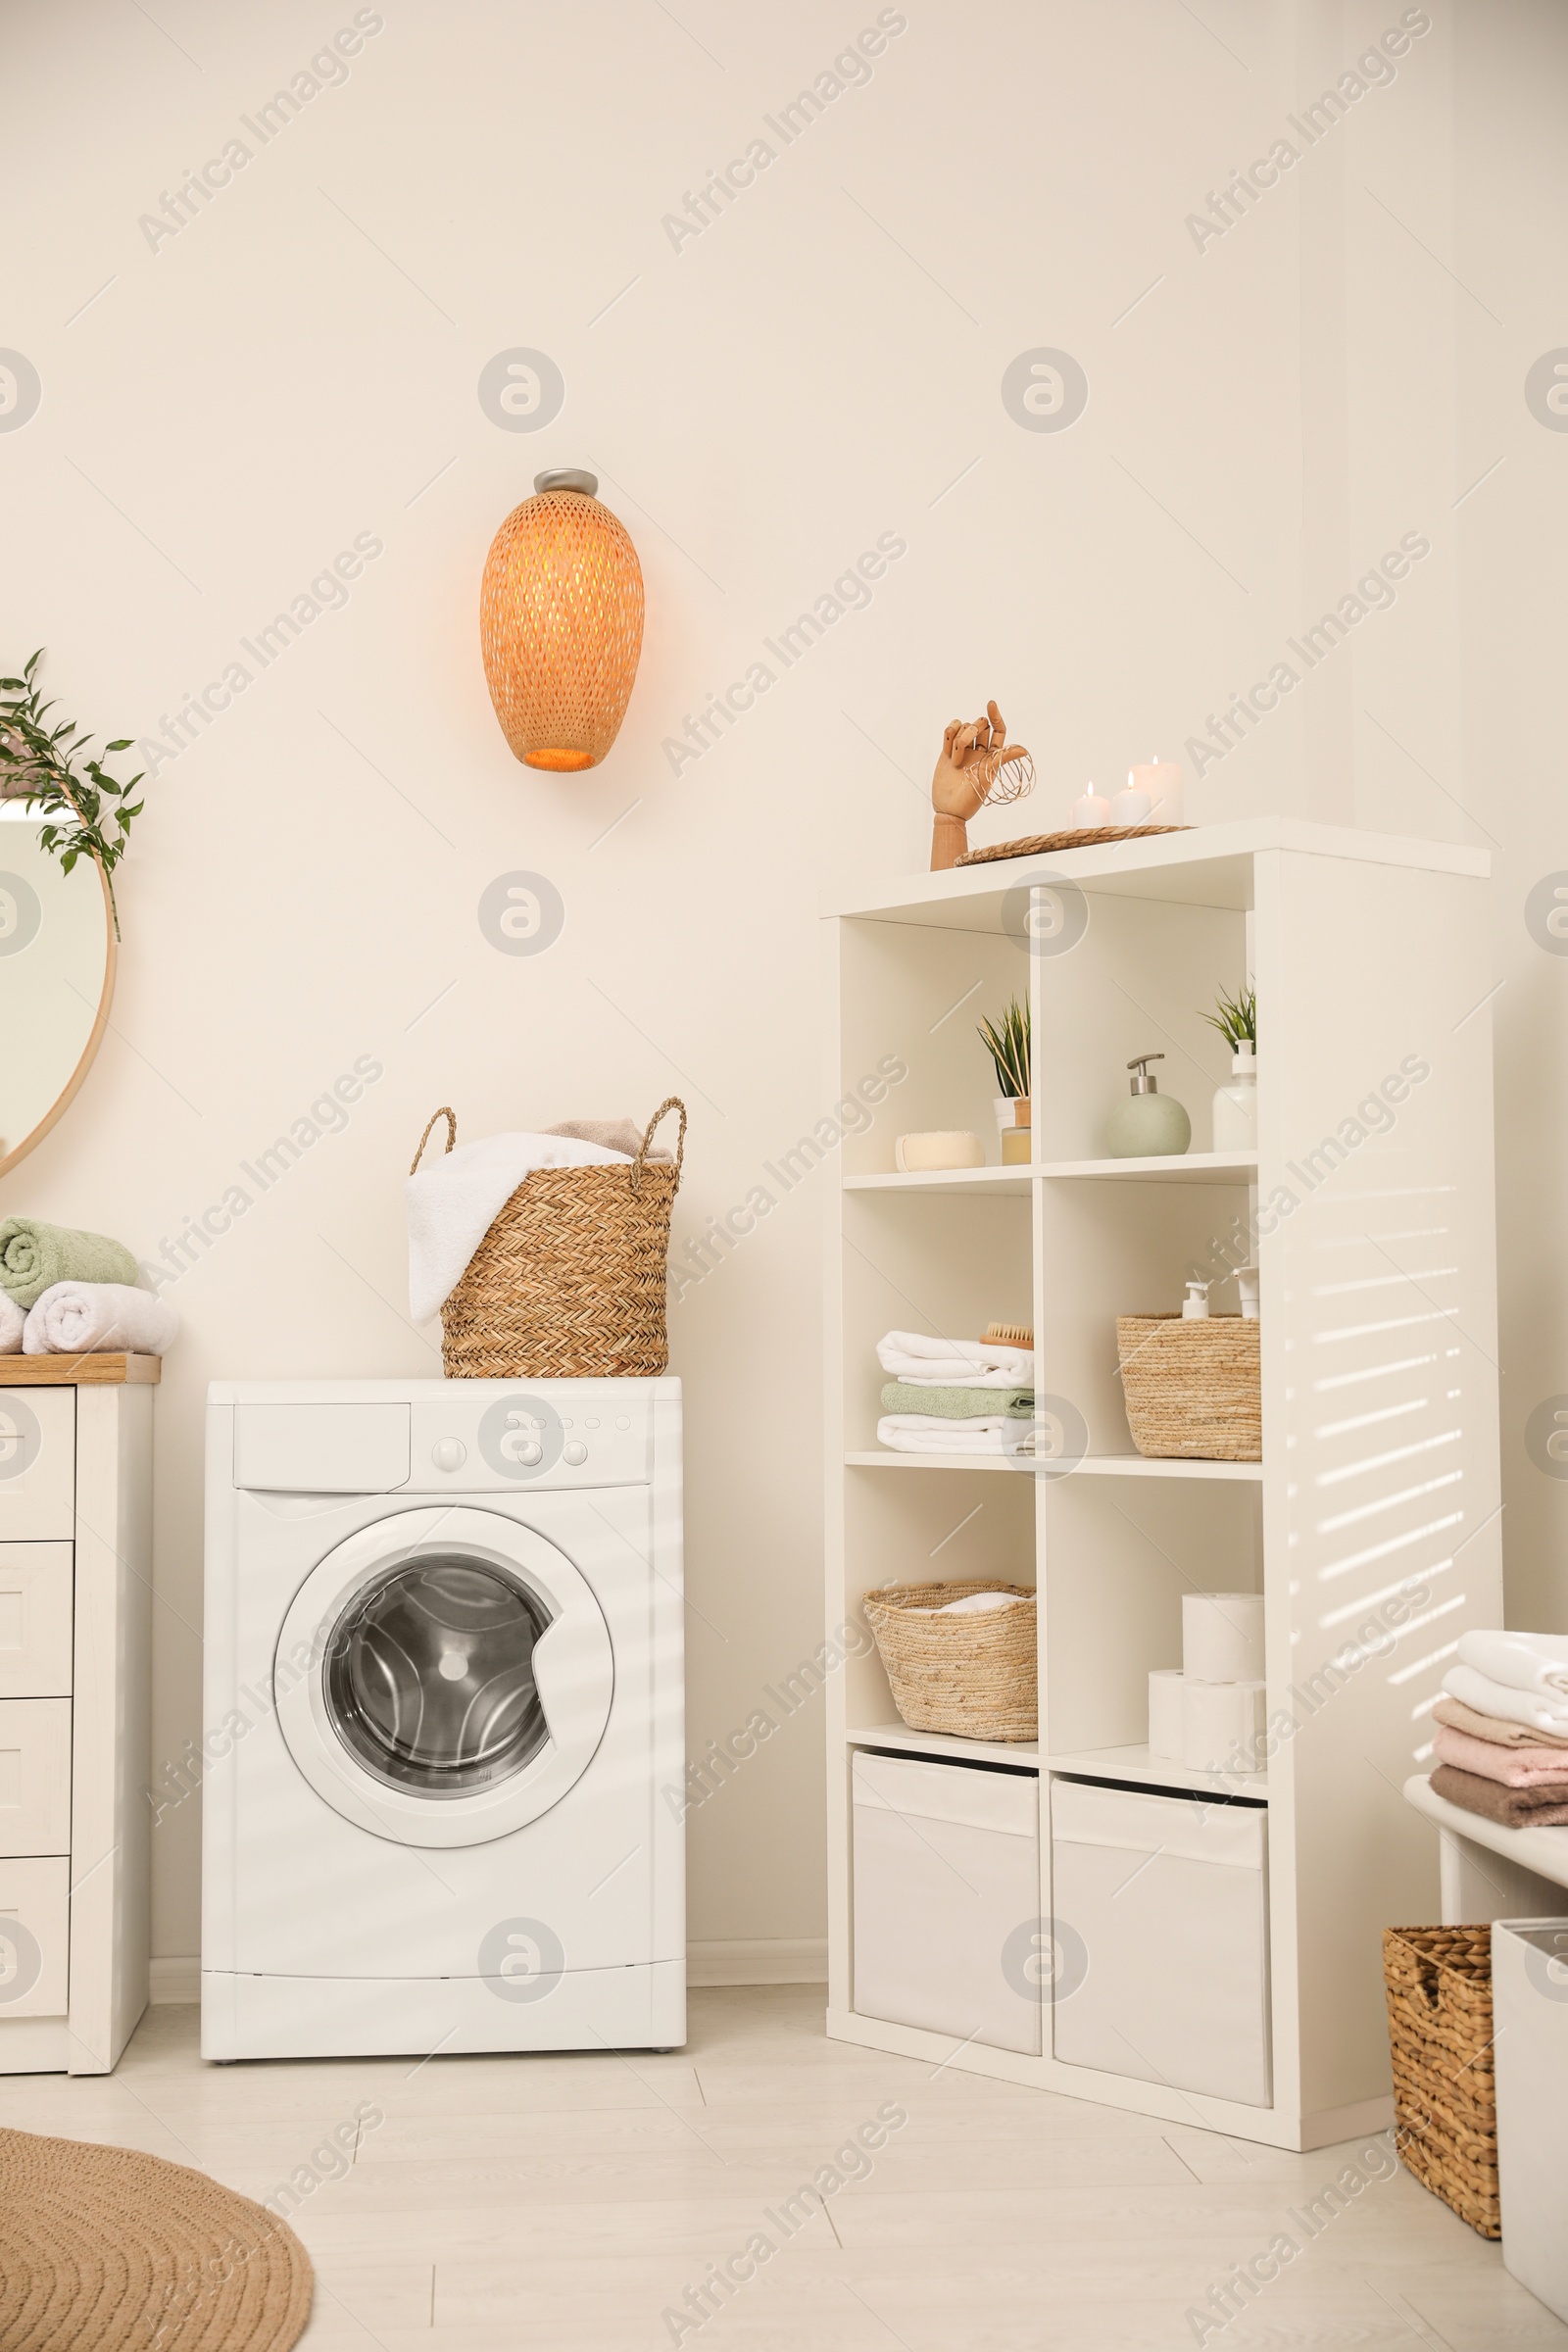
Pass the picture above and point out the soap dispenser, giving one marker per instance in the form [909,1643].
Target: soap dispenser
[1149,1125]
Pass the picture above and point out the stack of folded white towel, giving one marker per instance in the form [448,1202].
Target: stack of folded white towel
[1501,1740]
[955,1396]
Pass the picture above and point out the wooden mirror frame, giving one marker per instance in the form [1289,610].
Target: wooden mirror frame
[73,1086]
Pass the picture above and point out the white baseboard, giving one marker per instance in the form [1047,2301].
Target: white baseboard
[749,1960]
[175,1980]
[759,1960]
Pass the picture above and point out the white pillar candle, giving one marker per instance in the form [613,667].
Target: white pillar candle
[1092,809]
[1222,1725]
[1166,1733]
[1222,1637]
[1161,779]
[1131,806]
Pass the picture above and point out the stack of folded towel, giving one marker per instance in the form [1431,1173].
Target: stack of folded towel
[64,1293]
[953,1395]
[1503,1730]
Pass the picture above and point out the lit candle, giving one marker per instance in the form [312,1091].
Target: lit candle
[1161,780]
[1091,808]
[1131,806]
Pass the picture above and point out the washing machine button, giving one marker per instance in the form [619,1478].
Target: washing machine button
[574,1453]
[622,1421]
[449,1454]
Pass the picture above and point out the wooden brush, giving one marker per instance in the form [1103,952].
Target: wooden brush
[1009,1335]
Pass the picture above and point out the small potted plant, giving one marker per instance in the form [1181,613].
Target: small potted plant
[1009,1046]
[1236,1101]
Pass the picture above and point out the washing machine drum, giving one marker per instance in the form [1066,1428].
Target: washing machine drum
[444,1677]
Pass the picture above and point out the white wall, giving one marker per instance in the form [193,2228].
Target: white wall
[820,366]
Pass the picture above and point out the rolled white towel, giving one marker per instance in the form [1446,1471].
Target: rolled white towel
[11,1319]
[94,1318]
[1505,1704]
[1522,1661]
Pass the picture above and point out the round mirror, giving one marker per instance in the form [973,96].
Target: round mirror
[57,975]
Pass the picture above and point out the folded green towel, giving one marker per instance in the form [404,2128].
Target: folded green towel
[34,1256]
[959,1404]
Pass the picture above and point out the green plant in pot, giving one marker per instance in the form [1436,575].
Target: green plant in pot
[1010,1048]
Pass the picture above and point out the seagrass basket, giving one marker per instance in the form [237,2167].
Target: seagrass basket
[972,1674]
[1194,1390]
[1438,1987]
[570,1281]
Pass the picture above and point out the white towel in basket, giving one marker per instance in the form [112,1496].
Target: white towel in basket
[454,1200]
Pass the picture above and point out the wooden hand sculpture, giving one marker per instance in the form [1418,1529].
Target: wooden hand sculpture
[976,765]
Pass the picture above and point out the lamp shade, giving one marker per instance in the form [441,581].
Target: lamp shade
[560,623]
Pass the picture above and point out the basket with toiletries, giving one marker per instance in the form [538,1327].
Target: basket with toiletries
[1193,1382]
[561,1273]
[959,1657]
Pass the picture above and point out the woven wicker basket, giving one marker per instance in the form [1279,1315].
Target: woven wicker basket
[1438,1987]
[568,1283]
[972,1674]
[1193,1390]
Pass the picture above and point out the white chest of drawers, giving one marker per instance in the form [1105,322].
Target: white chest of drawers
[76,1590]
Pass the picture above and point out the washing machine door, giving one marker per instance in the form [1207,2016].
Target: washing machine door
[443,1677]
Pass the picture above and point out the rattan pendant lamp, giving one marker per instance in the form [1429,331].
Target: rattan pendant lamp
[560,622]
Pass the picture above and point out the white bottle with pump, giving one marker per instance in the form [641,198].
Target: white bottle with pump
[1236,1104]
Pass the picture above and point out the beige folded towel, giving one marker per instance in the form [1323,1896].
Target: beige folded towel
[1460,1717]
[612,1135]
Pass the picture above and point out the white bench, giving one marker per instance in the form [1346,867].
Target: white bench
[1491,1873]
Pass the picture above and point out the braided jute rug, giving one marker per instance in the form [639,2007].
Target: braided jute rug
[106,2250]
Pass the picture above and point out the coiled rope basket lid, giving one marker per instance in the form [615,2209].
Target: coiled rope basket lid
[570,1281]
[967,1671]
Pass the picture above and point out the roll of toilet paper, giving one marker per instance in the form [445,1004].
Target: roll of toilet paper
[1222,1725]
[1222,1637]
[1166,1733]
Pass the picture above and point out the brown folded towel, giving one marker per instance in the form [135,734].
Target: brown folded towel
[1509,1808]
[1460,1717]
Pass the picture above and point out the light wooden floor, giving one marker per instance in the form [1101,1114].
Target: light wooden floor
[567,2202]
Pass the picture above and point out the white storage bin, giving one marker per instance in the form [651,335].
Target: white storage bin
[1168,1897]
[1530,2022]
[946,1871]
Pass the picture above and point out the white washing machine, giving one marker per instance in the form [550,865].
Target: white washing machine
[443,1748]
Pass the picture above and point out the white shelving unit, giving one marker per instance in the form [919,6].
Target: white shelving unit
[1370,1204]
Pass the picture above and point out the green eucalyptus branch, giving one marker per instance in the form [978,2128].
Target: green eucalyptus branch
[90,813]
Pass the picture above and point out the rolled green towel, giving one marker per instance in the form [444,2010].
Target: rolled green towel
[34,1256]
[959,1404]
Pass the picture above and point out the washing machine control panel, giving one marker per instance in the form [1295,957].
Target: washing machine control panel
[505,1437]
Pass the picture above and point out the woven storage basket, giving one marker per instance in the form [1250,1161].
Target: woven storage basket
[1193,1390]
[1438,1987]
[972,1674]
[568,1283]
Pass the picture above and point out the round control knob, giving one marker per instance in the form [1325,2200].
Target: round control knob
[524,1450]
[449,1454]
[574,1453]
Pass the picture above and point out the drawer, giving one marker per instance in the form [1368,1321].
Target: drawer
[35,1620]
[34,1937]
[34,1775]
[37,1465]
